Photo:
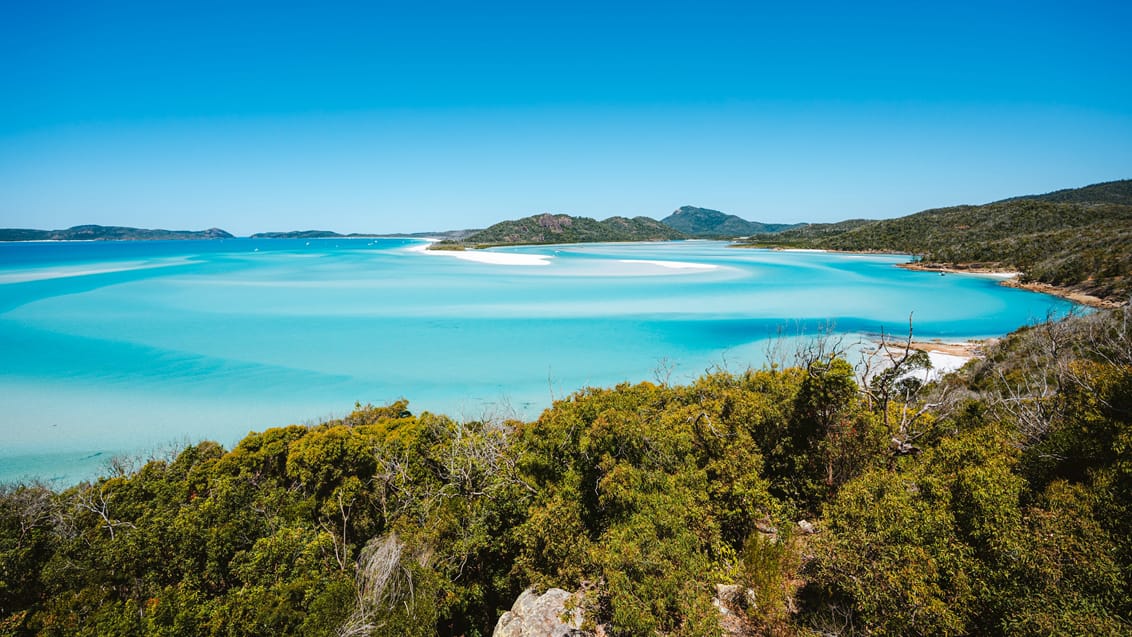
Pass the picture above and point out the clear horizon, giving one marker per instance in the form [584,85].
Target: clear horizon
[257,117]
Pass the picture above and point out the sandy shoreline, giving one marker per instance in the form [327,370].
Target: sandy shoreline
[968,349]
[945,357]
[1010,279]
[1065,293]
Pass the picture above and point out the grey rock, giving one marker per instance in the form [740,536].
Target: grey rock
[541,616]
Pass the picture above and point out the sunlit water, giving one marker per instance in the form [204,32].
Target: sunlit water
[126,348]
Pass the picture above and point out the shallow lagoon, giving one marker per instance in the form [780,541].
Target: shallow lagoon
[126,348]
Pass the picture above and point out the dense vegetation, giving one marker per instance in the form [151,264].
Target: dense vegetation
[550,228]
[108,233]
[1072,238]
[687,221]
[703,222]
[996,502]
[1119,192]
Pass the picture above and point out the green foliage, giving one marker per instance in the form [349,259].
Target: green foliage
[769,565]
[645,489]
[1075,238]
[1015,522]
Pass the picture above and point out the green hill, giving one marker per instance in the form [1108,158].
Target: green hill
[1108,192]
[1078,239]
[551,228]
[704,222]
[109,233]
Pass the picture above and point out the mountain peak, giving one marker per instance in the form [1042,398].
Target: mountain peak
[705,222]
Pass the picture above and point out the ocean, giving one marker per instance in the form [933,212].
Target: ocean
[133,349]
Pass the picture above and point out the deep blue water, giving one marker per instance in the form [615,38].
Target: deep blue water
[130,347]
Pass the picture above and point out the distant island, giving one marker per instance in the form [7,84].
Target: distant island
[1075,239]
[685,223]
[327,234]
[109,233]
[91,232]
[303,234]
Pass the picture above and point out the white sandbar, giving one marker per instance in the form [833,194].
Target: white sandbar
[497,258]
[62,272]
[675,265]
[484,256]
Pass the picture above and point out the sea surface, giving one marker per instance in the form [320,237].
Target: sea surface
[136,348]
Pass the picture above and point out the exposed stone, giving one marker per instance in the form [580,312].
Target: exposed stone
[765,526]
[541,616]
[807,527]
[733,602]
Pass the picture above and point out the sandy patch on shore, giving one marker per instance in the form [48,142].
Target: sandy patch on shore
[945,363]
[1072,295]
[945,357]
[965,348]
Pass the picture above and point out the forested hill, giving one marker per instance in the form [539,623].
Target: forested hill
[552,228]
[1079,239]
[1108,192]
[704,222]
[108,233]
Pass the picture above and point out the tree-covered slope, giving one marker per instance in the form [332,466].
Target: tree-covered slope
[1108,192]
[108,233]
[551,228]
[704,222]
[1080,239]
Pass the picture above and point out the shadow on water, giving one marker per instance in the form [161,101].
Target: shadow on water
[24,292]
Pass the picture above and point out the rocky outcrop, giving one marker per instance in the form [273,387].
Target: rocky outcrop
[536,615]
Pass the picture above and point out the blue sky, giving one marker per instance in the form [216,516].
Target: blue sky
[406,116]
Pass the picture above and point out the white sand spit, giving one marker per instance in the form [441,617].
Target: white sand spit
[675,265]
[483,256]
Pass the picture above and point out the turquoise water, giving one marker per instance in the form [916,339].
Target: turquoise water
[131,348]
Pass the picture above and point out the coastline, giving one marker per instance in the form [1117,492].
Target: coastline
[945,357]
[1010,279]
[966,349]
